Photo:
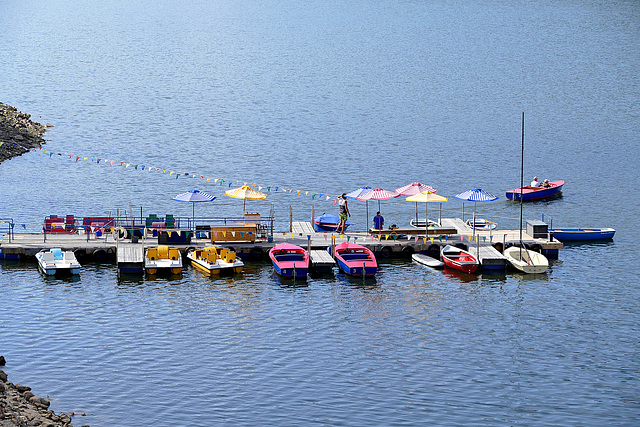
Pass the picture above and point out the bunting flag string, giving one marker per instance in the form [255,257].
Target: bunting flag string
[140,167]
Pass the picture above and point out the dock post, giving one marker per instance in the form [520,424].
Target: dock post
[313,214]
[290,219]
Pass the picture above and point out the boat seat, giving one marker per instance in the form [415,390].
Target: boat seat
[213,257]
[163,252]
[174,254]
[57,253]
[47,257]
[152,254]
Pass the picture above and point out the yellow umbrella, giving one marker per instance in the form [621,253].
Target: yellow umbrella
[426,197]
[245,192]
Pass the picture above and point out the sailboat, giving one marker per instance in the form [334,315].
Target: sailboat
[520,257]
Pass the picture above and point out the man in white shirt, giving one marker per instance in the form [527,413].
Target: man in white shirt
[535,182]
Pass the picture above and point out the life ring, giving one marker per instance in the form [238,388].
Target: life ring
[119,233]
[386,252]
[434,251]
[407,251]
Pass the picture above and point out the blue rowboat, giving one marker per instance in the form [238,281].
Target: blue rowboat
[536,193]
[356,260]
[328,222]
[290,261]
[577,234]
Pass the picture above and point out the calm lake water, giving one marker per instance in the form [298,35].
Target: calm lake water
[321,98]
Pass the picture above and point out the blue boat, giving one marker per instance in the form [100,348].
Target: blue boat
[578,234]
[328,222]
[536,193]
[290,261]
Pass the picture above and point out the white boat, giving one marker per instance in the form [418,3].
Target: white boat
[481,224]
[55,261]
[526,260]
[215,260]
[427,260]
[163,259]
[419,223]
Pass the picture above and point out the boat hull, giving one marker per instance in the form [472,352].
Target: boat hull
[536,193]
[459,259]
[290,261]
[427,260]
[526,260]
[163,260]
[55,262]
[328,222]
[356,260]
[581,234]
[215,261]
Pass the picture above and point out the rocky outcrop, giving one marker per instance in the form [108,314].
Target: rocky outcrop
[19,407]
[18,133]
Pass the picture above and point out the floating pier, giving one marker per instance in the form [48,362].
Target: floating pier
[486,244]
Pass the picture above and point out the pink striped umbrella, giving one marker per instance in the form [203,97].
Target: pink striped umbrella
[413,189]
[378,194]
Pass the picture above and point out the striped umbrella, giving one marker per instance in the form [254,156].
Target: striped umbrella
[476,195]
[413,189]
[378,194]
[193,197]
[357,193]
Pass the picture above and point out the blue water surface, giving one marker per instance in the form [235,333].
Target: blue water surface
[323,98]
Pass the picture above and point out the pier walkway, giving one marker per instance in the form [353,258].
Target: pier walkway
[487,244]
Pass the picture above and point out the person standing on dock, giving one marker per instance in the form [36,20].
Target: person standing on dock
[343,212]
[378,221]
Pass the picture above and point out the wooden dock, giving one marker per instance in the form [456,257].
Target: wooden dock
[489,243]
[321,262]
[130,257]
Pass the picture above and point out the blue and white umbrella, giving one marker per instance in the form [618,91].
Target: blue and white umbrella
[359,192]
[476,195]
[193,197]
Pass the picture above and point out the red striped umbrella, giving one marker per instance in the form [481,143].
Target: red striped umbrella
[378,194]
[413,189]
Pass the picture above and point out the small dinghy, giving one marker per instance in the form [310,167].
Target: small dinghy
[290,261]
[427,260]
[578,234]
[215,260]
[328,222]
[459,259]
[163,259]
[419,223]
[356,260]
[55,261]
[526,260]
[481,224]
[536,193]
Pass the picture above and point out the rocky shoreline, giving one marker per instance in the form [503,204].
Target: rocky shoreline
[19,407]
[18,133]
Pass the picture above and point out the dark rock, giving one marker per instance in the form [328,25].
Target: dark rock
[40,401]
[18,134]
[22,388]
[3,377]
[28,395]
[2,361]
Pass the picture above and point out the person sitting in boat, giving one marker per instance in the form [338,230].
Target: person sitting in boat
[535,182]
[378,221]
[546,183]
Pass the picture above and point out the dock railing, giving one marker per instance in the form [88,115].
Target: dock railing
[6,227]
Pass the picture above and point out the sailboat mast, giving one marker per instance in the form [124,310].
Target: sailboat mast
[521,177]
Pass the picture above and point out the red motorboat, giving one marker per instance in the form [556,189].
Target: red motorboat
[459,259]
[536,193]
